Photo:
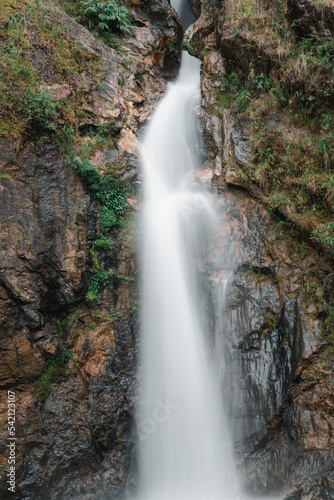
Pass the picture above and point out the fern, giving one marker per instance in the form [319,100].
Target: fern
[325,234]
[111,15]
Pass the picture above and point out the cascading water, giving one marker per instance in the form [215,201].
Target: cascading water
[186,451]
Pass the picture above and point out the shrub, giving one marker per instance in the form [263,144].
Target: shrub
[111,15]
[106,190]
[103,242]
[40,110]
[324,234]
[99,279]
[54,370]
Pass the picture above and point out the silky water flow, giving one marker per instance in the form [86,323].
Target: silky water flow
[185,445]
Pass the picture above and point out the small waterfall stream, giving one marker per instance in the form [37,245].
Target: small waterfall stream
[185,446]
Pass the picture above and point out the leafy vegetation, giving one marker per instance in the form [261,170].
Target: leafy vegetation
[102,242]
[98,280]
[106,190]
[296,173]
[324,234]
[112,199]
[109,15]
[40,111]
[55,370]
[238,92]
[24,106]
[29,106]
[108,20]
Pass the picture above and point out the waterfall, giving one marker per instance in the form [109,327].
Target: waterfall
[185,446]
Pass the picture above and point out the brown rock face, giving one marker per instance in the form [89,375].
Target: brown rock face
[311,18]
[278,372]
[41,266]
[274,329]
[197,32]
[75,425]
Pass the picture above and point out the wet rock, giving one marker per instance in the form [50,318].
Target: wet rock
[277,391]
[196,33]
[196,7]
[78,440]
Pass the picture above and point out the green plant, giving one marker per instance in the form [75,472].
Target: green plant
[238,91]
[64,139]
[242,100]
[326,141]
[111,15]
[324,234]
[40,111]
[5,176]
[260,82]
[139,76]
[102,242]
[106,190]
[100,86]
[134,310]
[98,280]
[261,273]
[187,46]
[55,370]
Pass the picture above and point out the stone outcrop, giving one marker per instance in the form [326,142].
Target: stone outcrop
[278,378]
[311,18]
[272,287]
[76,436]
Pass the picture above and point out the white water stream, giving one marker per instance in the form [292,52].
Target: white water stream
[185,447]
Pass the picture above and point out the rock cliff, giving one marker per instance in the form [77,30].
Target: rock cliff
[267,93]
[71,113]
